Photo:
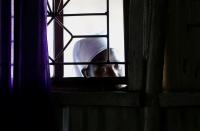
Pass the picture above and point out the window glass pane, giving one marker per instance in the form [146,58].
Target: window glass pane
[70,71]
[49,6]
[86,25]
[51,67]
[73,71]
[50,39]
[68,53]
[85,6]
[116,26]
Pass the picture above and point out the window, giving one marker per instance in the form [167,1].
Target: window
[69,21]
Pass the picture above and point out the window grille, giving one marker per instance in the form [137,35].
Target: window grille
[61,37]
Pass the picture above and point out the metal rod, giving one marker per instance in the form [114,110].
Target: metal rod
[81,36]
[53,5]
[60,53]
[63,6]
[51,59]
[84,14]
[50,21]
[61,24]
[85,63]
[108,34]
[58,6]
[49,6]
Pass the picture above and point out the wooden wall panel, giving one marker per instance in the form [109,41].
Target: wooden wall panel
[93,121]
[122,119]
[103,119]
[76,119]
[182,57]
[181,119]
[193,11]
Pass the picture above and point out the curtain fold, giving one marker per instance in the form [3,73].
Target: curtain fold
[31,55]
[31,106]
[31,70]
[5,47]
[25,104]
[5,64]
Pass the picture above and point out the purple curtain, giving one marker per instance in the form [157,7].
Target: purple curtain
[31,69]
[5,61]
[31,55]
[28,105]
[5,47]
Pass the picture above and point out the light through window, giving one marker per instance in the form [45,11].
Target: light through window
[70,21]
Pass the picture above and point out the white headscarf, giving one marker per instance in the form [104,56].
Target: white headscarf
[86,49]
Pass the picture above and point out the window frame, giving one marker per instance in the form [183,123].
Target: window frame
[77,83]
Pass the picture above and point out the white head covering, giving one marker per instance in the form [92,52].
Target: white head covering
[86,49]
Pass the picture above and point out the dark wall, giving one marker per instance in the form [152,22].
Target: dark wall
[182,57]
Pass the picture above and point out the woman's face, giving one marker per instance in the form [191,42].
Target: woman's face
[104,70]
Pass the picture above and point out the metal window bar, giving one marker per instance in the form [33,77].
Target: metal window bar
[108,36]
[51,14]
[85,63]
[55,12]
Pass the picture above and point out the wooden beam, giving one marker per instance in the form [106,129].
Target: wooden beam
[179,99]
[120,99]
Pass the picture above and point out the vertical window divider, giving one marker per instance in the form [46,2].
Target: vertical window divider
[58,35]
[108,44]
